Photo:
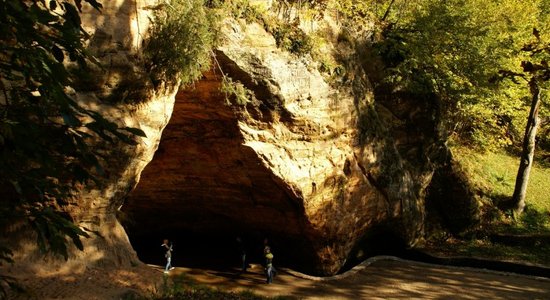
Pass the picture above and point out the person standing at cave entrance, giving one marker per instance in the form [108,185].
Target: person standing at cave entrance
[242,250]
[166,244]
[269,269]
[267,248]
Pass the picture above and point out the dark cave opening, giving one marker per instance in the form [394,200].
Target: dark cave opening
[216,248]
[197,250]
[220,250]
[380,240]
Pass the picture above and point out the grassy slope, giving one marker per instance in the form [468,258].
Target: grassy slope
[494,174]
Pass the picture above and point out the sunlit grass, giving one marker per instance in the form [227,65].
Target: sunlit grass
[495,173]
[492,176]
[483,248]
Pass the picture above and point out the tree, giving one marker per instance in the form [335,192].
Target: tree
[536,72]
[45,135]
[451,49]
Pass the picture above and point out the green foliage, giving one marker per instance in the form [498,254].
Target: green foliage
[242,9]
[292,39]
[287,34]
[484,248]
[46,137]
[182,36]
[357,14]
[533,220]
[235,92]
[493,176]
[452,49]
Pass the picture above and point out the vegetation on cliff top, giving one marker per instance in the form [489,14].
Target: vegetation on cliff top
[181,40]
[451,49]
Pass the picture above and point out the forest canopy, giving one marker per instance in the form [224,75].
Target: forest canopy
[454,49]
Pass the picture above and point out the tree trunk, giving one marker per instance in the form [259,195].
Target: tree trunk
[388,10]
[528,150]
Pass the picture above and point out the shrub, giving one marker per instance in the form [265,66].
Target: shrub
[235,92]
[182,37]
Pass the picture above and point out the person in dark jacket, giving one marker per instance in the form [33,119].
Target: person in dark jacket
[242,250]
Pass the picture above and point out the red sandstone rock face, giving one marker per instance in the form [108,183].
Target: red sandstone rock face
[301,162]
[294,163]
[203,176]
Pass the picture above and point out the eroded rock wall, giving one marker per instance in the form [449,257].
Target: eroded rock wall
[308,164]
[312,166]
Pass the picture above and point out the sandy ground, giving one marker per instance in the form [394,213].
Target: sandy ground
[382,279]
[91,284]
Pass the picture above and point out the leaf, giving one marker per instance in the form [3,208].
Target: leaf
[41,15]
[70,120]
[72,15]
[5,255]
[78,4]
[17,187]
[97,128]
[124,138]
[135,131]
[536,33]
[95,4]
[58,53]
[80,175]
[99,169]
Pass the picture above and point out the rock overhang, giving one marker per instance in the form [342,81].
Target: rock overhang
[286,164]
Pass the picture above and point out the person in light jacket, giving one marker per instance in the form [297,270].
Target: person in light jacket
[166,244]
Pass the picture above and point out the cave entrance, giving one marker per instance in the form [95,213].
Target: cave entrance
[379,240]
[192,191]
[204,187]
[196,250]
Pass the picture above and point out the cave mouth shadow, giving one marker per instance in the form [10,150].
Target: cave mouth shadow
[212,251]
[190,250]
[222,252]
[379,241]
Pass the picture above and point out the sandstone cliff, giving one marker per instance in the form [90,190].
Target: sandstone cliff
[315,166]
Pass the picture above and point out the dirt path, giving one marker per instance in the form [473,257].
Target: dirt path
[382,279]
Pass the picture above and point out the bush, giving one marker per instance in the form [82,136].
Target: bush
[182,37]
[235,92]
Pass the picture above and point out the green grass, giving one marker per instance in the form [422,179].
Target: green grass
[483,248]
[494,175]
